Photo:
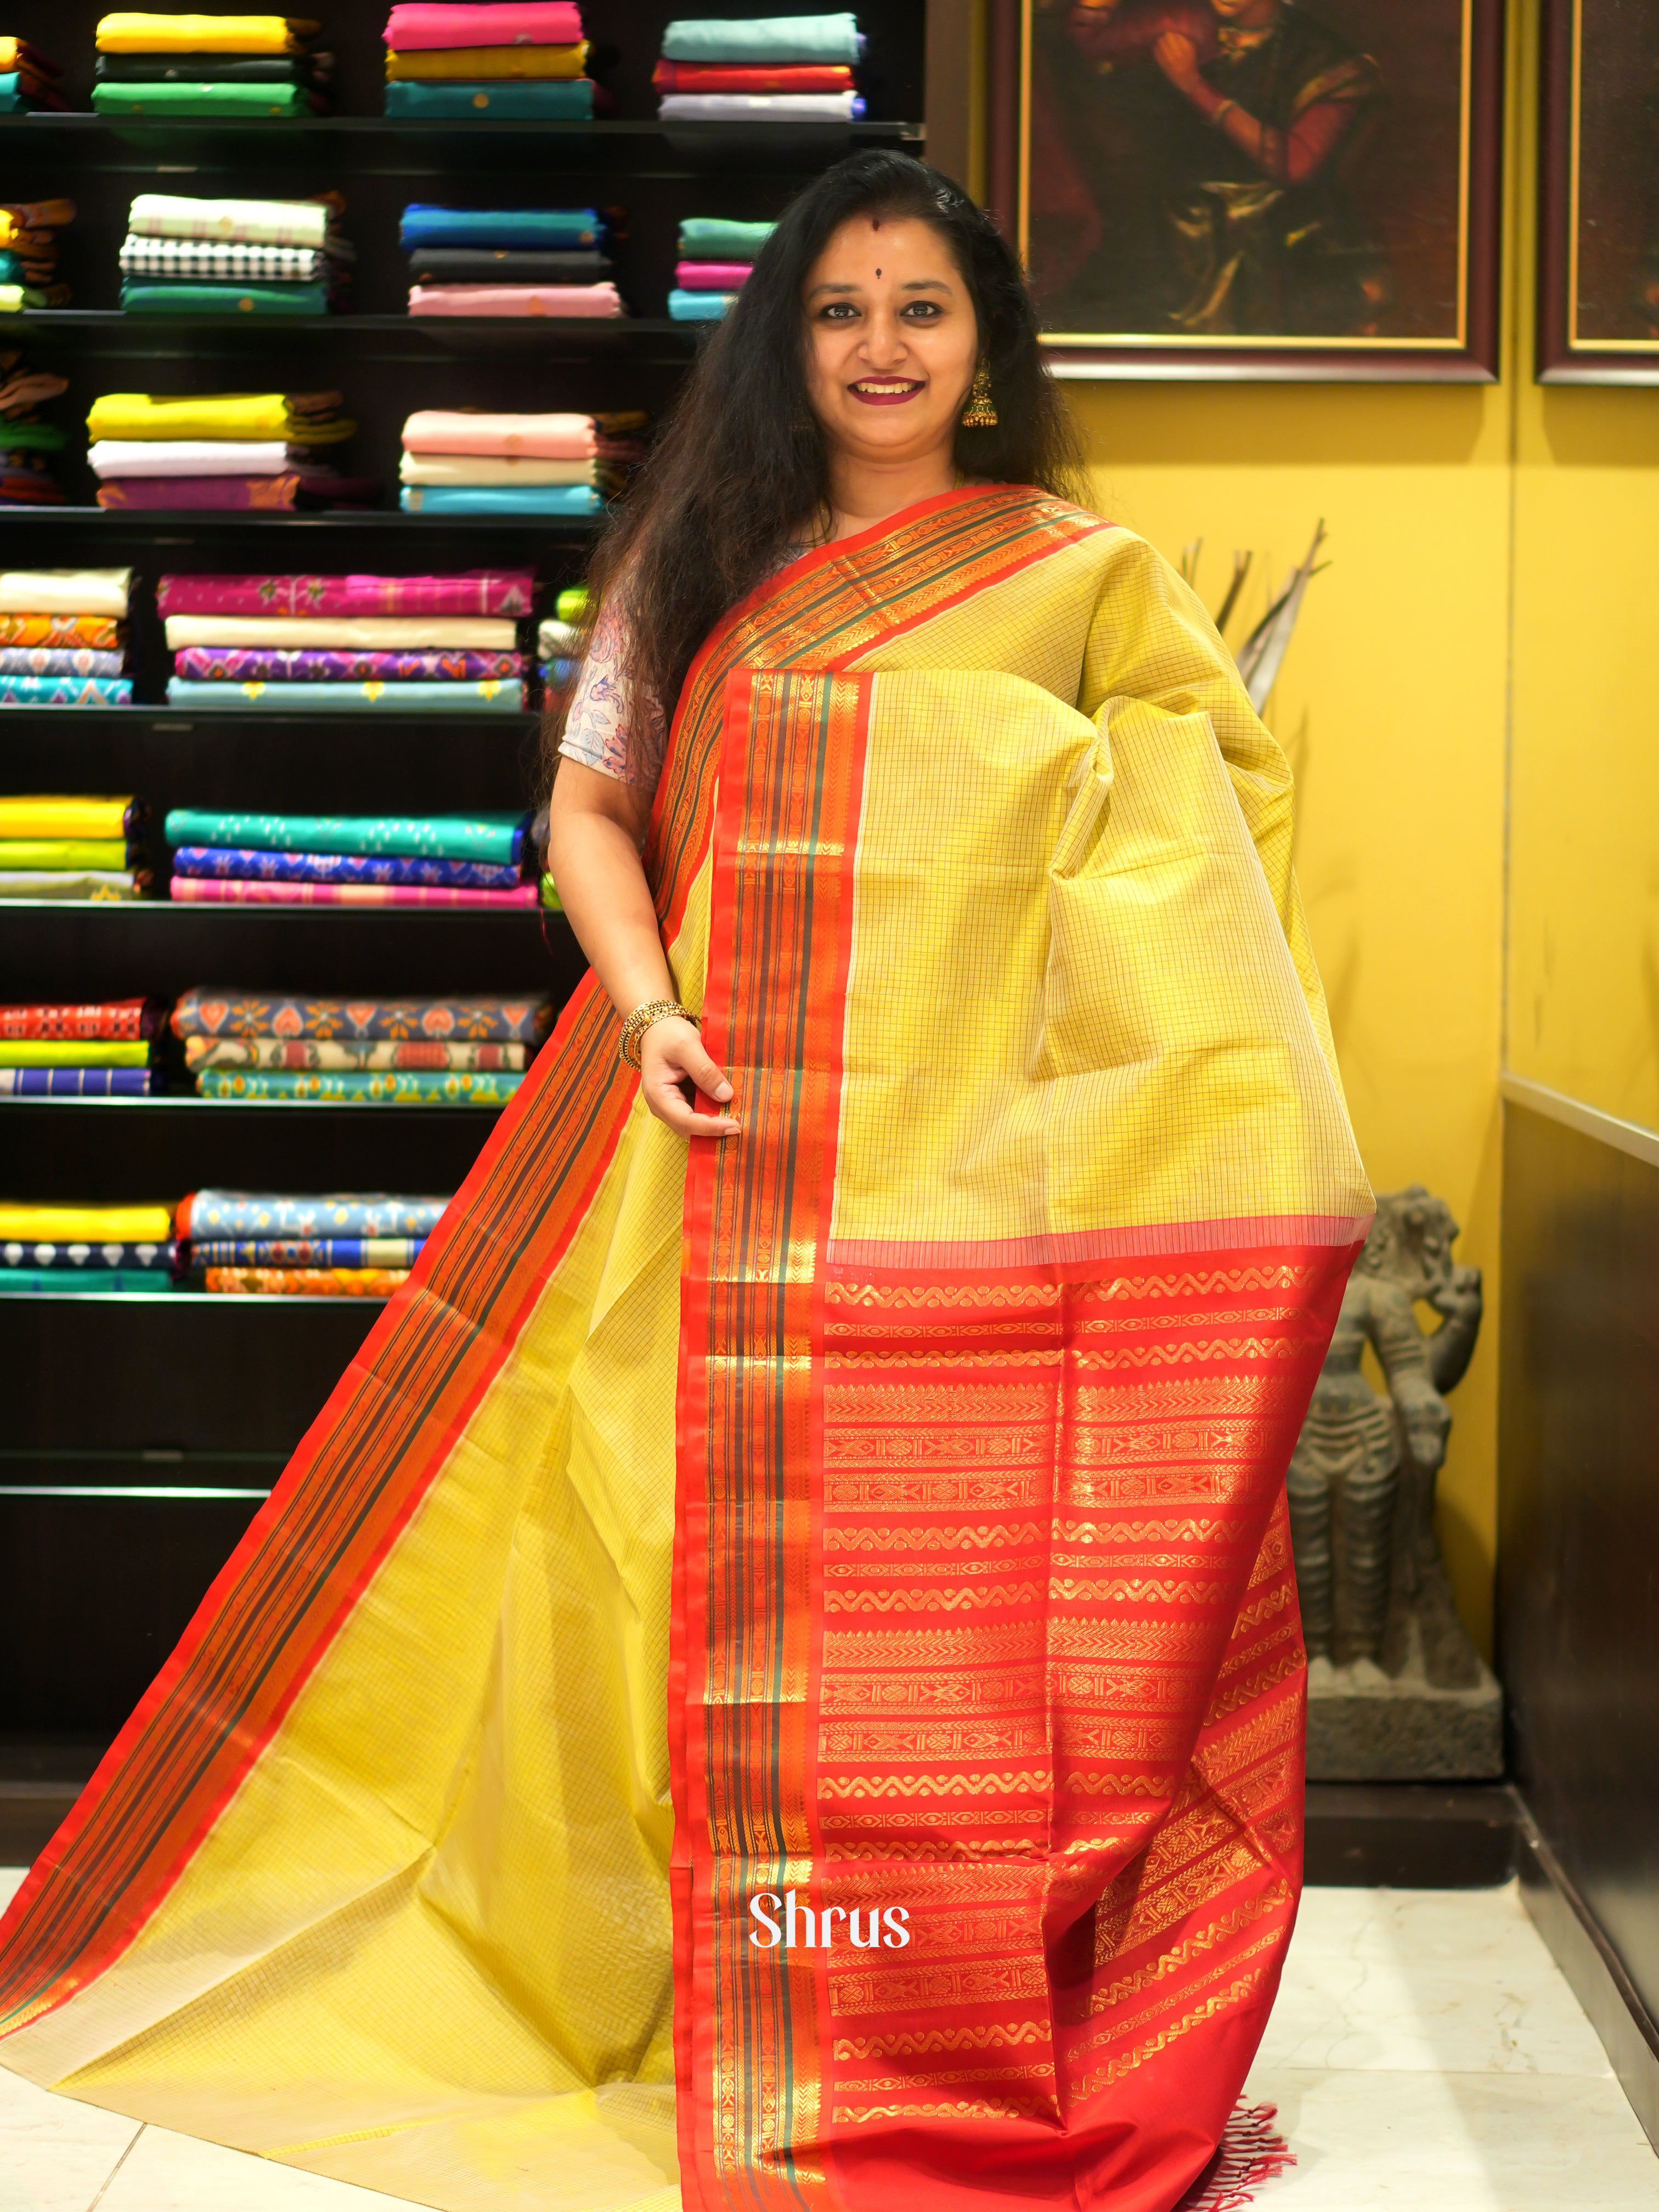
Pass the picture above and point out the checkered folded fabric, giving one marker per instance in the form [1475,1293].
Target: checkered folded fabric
[210,257]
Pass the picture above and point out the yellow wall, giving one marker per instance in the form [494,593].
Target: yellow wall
[1583,967]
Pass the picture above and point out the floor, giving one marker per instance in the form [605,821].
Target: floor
[1424,2053]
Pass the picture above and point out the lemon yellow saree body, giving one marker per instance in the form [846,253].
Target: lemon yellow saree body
[884,1507]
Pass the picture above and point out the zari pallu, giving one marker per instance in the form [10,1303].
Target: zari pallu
[880,1513]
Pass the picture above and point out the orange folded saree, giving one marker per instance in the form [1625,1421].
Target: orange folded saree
[775,1678]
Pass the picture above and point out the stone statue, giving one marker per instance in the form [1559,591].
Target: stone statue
[1397,1692]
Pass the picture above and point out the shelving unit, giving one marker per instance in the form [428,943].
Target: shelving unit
[143,1431]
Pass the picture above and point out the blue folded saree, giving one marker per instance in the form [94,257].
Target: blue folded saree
[485,695]
[553,227]
[699,306]
[500,499]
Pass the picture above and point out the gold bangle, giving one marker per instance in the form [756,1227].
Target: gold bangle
[1220,114]
[642,1019]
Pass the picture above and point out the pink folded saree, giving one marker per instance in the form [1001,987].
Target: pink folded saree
[594,300]
[456,431]
[479,591]
[418,24]
[248,890]
[711,276]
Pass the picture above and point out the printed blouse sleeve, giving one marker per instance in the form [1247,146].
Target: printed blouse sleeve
[604,730]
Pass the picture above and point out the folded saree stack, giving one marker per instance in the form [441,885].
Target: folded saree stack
[341,1244]
[508,60]
[716,260]
[26,441]
[28,250]
[96,1051]
[232,67]
[27,80]
[459,462]
[327,644]
[224,452]
[420,1052]
[63,637]
[84,1247]
[507,261]
[204,256]
[780,69]
[350,859]
[54,847]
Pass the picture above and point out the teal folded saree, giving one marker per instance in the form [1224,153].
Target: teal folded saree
[566,100]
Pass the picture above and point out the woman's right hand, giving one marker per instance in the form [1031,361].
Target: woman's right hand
[674,1064]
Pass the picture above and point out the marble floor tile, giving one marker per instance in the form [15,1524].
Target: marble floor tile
[55,2154]
[1452,1980]
[168,2172]
[1369,2141]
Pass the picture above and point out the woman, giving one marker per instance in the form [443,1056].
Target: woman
[793,1601]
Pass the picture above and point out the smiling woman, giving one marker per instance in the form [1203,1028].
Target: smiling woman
[833,1449]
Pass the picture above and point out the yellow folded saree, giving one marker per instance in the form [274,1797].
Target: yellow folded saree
[469,64]
[103,819]
[141,32]
[301,418]
[86,1225]
[875,1522]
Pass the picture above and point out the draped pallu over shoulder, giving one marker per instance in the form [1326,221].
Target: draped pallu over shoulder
[881,1513]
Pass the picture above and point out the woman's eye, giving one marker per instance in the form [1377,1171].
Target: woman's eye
[840,311]
[921,311]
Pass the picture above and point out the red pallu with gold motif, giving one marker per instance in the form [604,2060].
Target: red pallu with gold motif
[917,1457]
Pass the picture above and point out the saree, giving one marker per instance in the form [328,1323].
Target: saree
[877,1516]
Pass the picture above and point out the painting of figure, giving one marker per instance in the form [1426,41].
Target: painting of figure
[1248,173]
[1599,293]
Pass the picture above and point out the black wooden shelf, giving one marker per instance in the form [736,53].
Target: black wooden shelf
[197,1401]
[54,950]
[405,146]
[106,331]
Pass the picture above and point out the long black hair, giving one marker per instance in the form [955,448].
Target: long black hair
[740,462]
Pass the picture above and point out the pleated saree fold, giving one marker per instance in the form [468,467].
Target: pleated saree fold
[881,1512]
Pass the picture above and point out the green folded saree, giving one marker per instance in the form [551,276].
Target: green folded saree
[230,101]
[172,299]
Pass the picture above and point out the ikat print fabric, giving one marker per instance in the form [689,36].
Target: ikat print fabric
[210,1011]
[60,643]
[341,1053]
[244,1213]
[205,664]
[308,1252]
[246,862]
[396,1087]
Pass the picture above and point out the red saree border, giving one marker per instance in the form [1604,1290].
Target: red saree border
[746,1621]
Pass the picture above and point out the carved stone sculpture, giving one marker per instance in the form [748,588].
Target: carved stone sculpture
[1396,1691]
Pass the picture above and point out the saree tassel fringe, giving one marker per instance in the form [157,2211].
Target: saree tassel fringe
[1252,2152]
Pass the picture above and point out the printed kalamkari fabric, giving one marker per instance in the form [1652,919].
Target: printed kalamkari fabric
[885,1505]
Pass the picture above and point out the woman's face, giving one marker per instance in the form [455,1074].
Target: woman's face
[892,339]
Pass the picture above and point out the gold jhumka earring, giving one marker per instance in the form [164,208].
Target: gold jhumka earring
[981,413]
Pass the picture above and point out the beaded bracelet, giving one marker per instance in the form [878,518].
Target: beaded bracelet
[642,1019]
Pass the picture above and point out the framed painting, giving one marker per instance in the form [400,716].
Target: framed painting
[1302,189]
[1598,228]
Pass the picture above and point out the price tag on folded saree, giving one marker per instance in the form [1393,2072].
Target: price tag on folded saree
[921,1451]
